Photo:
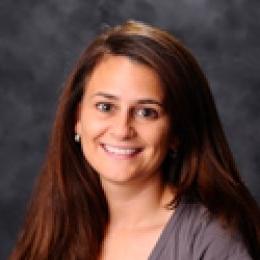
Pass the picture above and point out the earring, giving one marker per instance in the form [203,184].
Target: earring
[77,138]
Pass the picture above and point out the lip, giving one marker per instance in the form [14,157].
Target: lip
[114,151]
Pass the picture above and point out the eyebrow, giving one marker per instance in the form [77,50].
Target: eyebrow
[140,101]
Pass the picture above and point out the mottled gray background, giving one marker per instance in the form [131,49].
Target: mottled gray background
[40,41]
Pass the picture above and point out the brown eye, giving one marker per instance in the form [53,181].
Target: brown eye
[148,113]
[104,107]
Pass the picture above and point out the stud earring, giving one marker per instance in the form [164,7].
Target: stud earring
[77,138]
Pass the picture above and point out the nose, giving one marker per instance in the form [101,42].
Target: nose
[122,127]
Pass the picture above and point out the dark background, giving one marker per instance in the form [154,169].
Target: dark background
[41,40]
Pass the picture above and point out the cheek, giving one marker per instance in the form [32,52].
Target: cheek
[92,129]
[159,136]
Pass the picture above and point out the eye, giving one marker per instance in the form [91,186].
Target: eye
[104,106]
[148,113]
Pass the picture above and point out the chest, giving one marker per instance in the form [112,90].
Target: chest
[129,245]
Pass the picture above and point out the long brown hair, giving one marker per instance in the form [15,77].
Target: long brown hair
[68,214]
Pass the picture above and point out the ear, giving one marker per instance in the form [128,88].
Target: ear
[77,127]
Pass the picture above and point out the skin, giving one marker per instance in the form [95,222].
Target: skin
[125,135]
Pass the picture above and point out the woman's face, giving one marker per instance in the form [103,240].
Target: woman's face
[122,122]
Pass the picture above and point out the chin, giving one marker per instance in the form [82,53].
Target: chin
[118,178]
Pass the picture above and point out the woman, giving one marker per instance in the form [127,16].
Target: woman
[138,165]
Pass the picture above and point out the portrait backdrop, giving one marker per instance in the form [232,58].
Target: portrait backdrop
[41,40]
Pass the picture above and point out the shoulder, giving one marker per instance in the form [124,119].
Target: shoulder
[197,235]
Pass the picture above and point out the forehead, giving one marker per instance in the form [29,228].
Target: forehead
[125,78]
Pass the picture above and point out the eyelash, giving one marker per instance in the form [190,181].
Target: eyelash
[152,113]
[106,107]
[100,106]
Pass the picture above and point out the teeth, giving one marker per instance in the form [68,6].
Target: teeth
[120,151]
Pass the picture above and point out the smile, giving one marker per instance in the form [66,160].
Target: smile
[121,151]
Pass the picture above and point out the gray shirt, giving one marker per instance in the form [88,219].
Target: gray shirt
[191,234]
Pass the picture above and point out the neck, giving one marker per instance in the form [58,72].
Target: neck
[137,204]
